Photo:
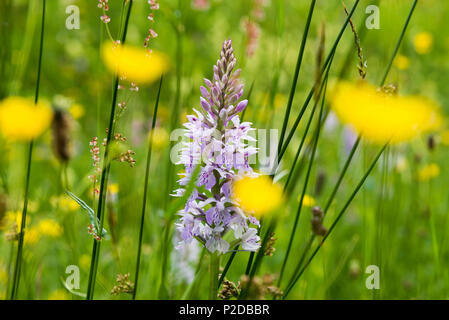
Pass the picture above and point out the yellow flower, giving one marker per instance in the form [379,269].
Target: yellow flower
[381,117]
[160,138]
[14,218]
[444,136]
[85,261]
[423,42]
[135,64]
[308,201]
[76,110]
[21,120]
[11,218]
[257,195]
[59,294]
[113,189]
[32,236]
[64,203]
[402,62]
[49,227]
[279,101]
[428,172]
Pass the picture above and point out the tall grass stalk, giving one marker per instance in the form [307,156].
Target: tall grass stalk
[145,190]
[329,57]
[340,214]
[165,246]
[306,182]
[306,130]
[326,66]
[350,157]
[105,173]
[18,263]
[328,203]
[176,105]
[228,264]
[250,91]
[214,269]
[296,74]
[252,268]
[398,44]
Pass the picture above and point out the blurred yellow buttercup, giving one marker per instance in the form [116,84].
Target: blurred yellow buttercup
[113,188]
[402,62]
[257,195]
[160,138]
[76,110]
[32,236]
[444,136]
[428,172]
[22,120]
[133,63]
[64,203]
[380,117]
[308,201]
[49,227]
[423,42]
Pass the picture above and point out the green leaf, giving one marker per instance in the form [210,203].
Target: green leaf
[91,213]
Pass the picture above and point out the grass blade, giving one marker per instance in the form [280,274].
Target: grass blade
[306,182]
[312,90]
[145,190]
[296,74]
[18,263]
[398,44]
[105,175]
[354,147]
[340,214]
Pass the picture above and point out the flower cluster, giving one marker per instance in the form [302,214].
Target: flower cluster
[103,4]
[219,144]
[95,152]
[92,230]
[154,5]
[124,284]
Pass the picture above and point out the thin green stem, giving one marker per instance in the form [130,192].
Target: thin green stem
[398,44]
[298,152]
[296,74]
[329,201]
[250,91]
[355,146]
[328,61]
[145,190]
[228,264]
[304,189]
[251,269]
[342,174]
[250,263]
[105,175]
[213,274]
[306,130]
[176,108]
[18,263]
[340,214]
